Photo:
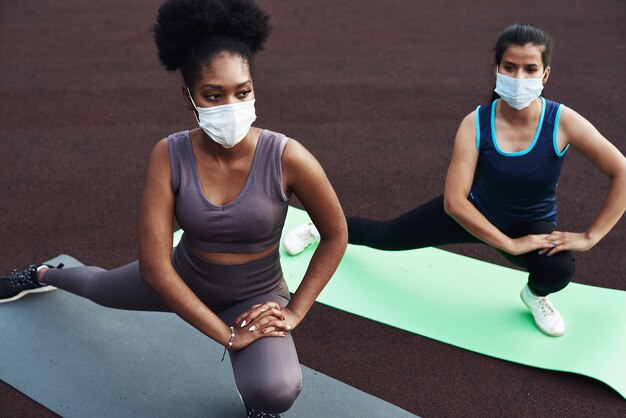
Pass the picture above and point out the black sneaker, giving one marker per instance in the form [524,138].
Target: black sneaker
[19,283]
[253,413]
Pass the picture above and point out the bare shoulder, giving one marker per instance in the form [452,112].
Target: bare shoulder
[569,116]
[469,121]
[587,140]
[300,166]
[567,113]
[293,148]
[160,153]
[467,129]
[161,147]
[571,121]
[296,154]
[159,162]
[576,129]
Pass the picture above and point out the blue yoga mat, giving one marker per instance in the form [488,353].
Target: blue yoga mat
[80,359]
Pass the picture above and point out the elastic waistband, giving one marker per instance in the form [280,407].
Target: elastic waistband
[220,286]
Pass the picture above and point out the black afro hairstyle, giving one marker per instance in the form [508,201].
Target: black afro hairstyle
[189,33]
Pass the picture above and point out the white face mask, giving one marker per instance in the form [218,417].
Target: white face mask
[226,124]
[518,92]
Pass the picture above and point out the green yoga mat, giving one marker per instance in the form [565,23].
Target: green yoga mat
[476,306]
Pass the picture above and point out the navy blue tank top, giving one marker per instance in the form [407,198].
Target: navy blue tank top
[510,188]
[253,221]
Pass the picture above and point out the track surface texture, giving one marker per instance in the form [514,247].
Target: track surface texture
[374,89]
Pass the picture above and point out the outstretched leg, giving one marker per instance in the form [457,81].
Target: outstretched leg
[425,226]
[121,288]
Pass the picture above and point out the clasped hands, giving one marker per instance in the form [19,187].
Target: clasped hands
[550,244]
[267,319]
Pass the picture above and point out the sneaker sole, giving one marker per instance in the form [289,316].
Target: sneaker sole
[293,253]
[548,333]
[26,292]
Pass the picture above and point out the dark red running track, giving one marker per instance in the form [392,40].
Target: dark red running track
[375,89]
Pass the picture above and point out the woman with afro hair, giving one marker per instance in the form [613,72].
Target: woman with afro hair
[228,185]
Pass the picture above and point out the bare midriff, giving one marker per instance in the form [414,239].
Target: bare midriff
[234,258]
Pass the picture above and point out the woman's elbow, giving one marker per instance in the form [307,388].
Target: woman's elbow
[337,237]
[452,205]
[343,238]
[146,271]
[448,205]
[149,271]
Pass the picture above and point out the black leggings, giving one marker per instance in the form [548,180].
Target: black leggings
[429,226]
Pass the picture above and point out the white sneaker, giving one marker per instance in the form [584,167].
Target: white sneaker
[547,318]
[300,238]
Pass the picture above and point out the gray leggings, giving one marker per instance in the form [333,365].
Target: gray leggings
[267,372]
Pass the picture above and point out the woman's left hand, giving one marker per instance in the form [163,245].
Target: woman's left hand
[573,241]
[267,317]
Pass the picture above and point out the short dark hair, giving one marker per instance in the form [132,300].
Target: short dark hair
[189,33]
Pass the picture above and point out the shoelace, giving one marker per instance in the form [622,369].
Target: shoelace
[306,236]
[24,278]
[546,306]
[20,279]
[253,414]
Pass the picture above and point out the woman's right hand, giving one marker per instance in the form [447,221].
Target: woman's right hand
[528,243]
[261,320]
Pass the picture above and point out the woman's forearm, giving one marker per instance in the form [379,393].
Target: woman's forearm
[321,268]
[474,222]
[611,211]
[183,302]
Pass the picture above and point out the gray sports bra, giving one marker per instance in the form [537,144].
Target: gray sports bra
[253,221]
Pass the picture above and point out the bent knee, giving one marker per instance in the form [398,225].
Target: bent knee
[563,270]
[270,394]
[554,275]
